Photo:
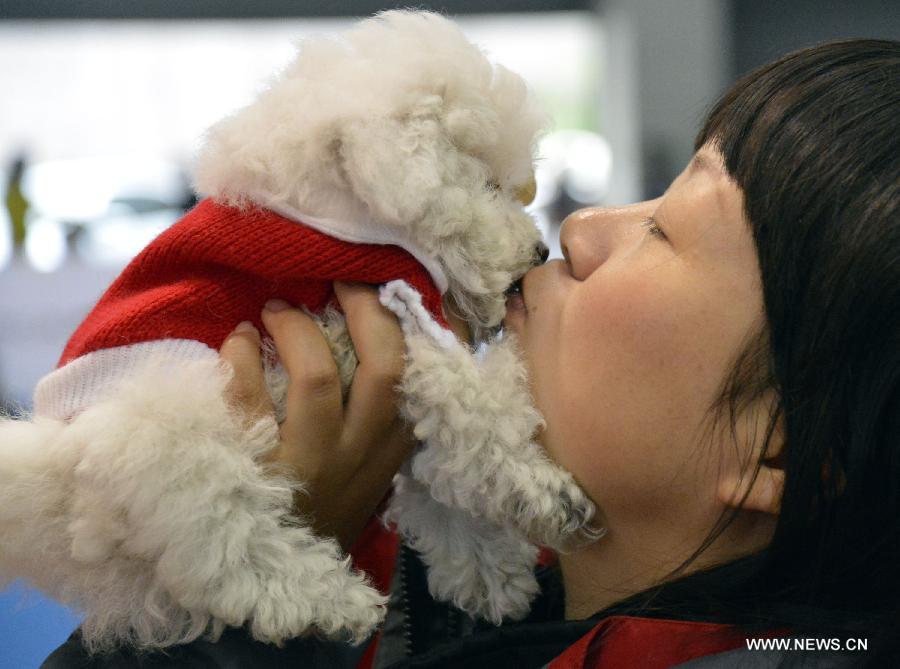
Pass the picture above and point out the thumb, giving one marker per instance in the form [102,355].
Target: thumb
[246,389]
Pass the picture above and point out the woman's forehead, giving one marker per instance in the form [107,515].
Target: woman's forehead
[705,184]
[709,208]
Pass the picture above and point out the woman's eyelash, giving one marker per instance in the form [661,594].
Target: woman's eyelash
[652,227]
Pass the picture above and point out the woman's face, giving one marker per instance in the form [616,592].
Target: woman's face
[629,338]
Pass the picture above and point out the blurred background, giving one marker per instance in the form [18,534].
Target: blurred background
[105,103]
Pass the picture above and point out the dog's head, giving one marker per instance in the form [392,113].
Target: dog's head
[406,124]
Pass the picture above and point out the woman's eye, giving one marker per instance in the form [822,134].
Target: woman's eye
[652,228]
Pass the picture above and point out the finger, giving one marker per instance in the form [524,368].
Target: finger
[379,466]
[378,340]
[247,387]
[314,412]
[370,482]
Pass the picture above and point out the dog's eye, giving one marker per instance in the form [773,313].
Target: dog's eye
[493,186]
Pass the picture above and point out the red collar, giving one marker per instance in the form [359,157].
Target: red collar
[650,643]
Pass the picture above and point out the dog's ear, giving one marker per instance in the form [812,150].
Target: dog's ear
[473,130]
[396,166]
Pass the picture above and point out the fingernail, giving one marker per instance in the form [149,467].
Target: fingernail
[245,326]
[276,305]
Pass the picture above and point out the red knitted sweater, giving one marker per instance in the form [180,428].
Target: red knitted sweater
[219,265]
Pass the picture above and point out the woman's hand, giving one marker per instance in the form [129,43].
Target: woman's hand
[346,455]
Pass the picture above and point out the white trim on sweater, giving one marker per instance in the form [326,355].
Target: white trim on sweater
[68,390]
[406,302]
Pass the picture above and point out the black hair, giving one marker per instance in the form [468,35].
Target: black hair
[813,141]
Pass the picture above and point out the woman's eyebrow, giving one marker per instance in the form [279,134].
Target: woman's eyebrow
[698,162]
[710,163]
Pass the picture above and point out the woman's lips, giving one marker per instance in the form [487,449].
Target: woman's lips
[515,302]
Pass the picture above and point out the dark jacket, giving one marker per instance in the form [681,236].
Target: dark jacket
[421,633]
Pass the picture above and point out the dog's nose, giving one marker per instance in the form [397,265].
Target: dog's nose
[542,252]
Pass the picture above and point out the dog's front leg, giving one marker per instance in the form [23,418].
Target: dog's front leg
[478,424]
[481,568]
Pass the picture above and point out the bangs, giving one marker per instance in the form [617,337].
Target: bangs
[803,104]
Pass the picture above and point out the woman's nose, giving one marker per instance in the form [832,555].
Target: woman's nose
[589,236]
[585,238]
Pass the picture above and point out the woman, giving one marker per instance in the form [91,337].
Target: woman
[720,370]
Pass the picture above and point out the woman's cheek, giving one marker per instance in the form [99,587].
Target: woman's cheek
[611,402]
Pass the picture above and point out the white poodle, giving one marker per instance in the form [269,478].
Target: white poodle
[135,494]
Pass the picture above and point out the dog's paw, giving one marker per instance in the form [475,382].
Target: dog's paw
[313,590]
[556,513]
[481,568]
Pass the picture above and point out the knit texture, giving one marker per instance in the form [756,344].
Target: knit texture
[219,265]
[95,376]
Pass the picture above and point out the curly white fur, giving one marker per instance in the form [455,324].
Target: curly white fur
[477,422]
[404,123]
[484,569]
[480,491]
[151,512]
